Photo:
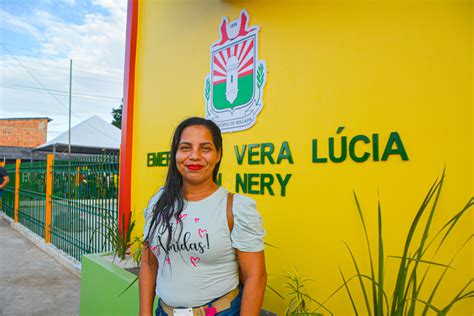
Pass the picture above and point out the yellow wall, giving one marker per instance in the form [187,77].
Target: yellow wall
[373,67]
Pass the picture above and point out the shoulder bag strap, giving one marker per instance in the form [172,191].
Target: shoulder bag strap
[230,222]
[230,216]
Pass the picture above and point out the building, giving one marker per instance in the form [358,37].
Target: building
[28,132]
[92,136]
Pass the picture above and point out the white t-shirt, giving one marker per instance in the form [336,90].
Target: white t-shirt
[202,264]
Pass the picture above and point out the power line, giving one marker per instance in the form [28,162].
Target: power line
[55,56]
[81,71]
[29,50]
[10,62]
[74,76]
[41,55]
[64,91]
[50,93]
[104,71]
[61,93]
[34,77]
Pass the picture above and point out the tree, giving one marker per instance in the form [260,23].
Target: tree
[117,116]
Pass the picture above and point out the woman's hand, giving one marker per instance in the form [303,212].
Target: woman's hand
[147,280]
[254,277]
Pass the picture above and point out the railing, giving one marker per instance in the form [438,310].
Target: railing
[82,201]
[32,196]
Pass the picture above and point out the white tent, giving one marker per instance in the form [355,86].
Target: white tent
[92,136]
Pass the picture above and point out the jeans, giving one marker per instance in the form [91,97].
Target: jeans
[234,309]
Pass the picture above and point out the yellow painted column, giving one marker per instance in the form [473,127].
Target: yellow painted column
[17,190]
[49,201]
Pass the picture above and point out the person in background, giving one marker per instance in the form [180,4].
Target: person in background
[4,180]
[198,236]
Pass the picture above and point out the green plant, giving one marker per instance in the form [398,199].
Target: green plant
[119,242]
[298,299]
[120,239]
[413,268]
[137,253]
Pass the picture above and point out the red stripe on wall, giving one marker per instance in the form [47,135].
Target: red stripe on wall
[217,73]
[248,72]
[249,62]
[244,46]
[127,114]
[224,60]
[249,48]
[218,82]
[218,63]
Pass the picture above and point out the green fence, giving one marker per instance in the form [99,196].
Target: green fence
[8,196]
[32,202]
[85,201]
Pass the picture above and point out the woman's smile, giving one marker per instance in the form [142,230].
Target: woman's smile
[194,167]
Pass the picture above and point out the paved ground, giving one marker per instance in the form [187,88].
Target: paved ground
[31,282]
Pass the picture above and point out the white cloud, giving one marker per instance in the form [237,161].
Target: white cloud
[99,39]
[13,23]
[97,48]
[70,2]
[115,7]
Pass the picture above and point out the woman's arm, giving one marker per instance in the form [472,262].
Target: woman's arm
[147,281]
[254,276]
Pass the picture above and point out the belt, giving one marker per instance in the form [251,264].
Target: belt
[219,305]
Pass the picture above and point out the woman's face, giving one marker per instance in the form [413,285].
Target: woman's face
[197,155]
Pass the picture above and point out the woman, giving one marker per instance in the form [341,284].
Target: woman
[197,237]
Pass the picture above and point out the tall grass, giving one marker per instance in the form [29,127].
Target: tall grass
[414,266]
[299,300]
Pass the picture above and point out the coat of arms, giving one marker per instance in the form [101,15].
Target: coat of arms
[233,90]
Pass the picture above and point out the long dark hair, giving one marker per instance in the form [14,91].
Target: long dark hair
[171,202]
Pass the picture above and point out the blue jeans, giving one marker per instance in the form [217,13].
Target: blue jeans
[234,309]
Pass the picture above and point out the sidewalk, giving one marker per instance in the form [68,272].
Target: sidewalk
[31,282]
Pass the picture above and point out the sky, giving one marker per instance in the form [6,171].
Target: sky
[38,38]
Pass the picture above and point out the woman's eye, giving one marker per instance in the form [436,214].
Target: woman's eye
[183,147]
[206,149]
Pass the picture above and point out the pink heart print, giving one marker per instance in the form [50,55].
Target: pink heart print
[194,260]
[182,216]
[167,260]
[202,232]
[196,219]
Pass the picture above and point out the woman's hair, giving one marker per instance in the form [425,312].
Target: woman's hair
[171,202]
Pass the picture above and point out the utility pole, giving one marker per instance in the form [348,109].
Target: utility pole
[69,133]
[70,98]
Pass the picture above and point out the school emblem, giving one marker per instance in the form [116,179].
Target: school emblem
[233,90]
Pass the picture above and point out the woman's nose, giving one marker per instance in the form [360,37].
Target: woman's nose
[195,153]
